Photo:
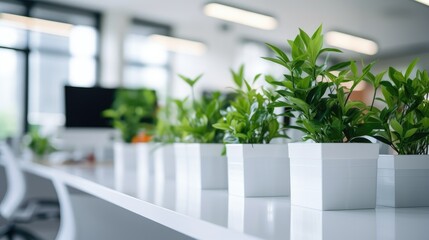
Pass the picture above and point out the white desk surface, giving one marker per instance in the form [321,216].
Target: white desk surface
[212,214]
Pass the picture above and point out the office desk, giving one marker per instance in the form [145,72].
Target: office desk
[212,214]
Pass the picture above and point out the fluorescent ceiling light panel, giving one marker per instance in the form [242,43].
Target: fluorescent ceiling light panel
[179,45]
[425,2]
[350,42]
[241,16]
[36,24]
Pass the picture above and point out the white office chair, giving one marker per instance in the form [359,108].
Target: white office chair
[13,208]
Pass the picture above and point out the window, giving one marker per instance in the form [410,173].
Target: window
[49,46]
[12,61]
[147,64]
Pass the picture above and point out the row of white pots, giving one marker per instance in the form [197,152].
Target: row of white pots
[328,176]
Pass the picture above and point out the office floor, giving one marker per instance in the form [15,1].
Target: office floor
[46,230]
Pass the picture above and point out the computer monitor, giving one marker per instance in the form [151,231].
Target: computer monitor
[84,106]
[85,125]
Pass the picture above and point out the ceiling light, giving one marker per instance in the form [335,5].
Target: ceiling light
[36,24]
[425,2]
[179,45]
[241,16]
[350,42]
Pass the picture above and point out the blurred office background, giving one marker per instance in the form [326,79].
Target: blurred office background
[47,45]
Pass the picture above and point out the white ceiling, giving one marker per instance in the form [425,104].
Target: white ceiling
[396,25]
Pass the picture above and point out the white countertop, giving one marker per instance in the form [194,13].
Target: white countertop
[212,214]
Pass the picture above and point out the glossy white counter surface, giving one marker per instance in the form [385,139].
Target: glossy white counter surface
[212,214]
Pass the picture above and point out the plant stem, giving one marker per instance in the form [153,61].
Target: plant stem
[373,98]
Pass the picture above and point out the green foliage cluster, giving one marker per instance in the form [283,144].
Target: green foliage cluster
[38,144]
[251,117]
[133,110]
[318,97]
[405,117]
[196,117]
[165,129]
[314,91]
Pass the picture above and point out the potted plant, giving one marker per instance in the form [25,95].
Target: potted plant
[39,145]
[133,114]
[255,167]
[403,178]
[199,162]
[336,168]
[164,137]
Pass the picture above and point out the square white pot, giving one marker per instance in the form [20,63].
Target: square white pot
[145,161]
[164,163]
[207,167]
[201,166]
[181,163]
[258,170]
[333,176]
[125,164]
[403,180]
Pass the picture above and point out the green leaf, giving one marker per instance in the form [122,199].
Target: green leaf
[238,76]
[221,126]
[353,67]
[303,106]
[410,132]
[256,78]
[269,79]
[189,81]
[317,33]
[304,37]
[241,135]
[279,52]
[411,67]
[360,140]
[396,126]
[383,139]
[338,66]
[275,60]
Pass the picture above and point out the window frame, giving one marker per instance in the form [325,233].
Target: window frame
[130,63]
[28,5]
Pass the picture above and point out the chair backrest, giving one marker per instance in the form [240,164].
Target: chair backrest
[16,186]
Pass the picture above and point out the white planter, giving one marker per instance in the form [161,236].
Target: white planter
[333,176]
[207,167]
[164,163]
[145,161]
[403,180]
[181,163]
[201,166]
[125,164]
[258,170]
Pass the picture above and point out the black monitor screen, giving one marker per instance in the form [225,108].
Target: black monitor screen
[84,106]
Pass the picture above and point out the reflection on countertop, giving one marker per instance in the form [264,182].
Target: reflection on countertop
[267,217]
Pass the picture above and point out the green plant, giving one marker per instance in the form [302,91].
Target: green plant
[315,92]
[165,130]
[133,110]
[405,118]
[38,144]
[196,119]
[250,118]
